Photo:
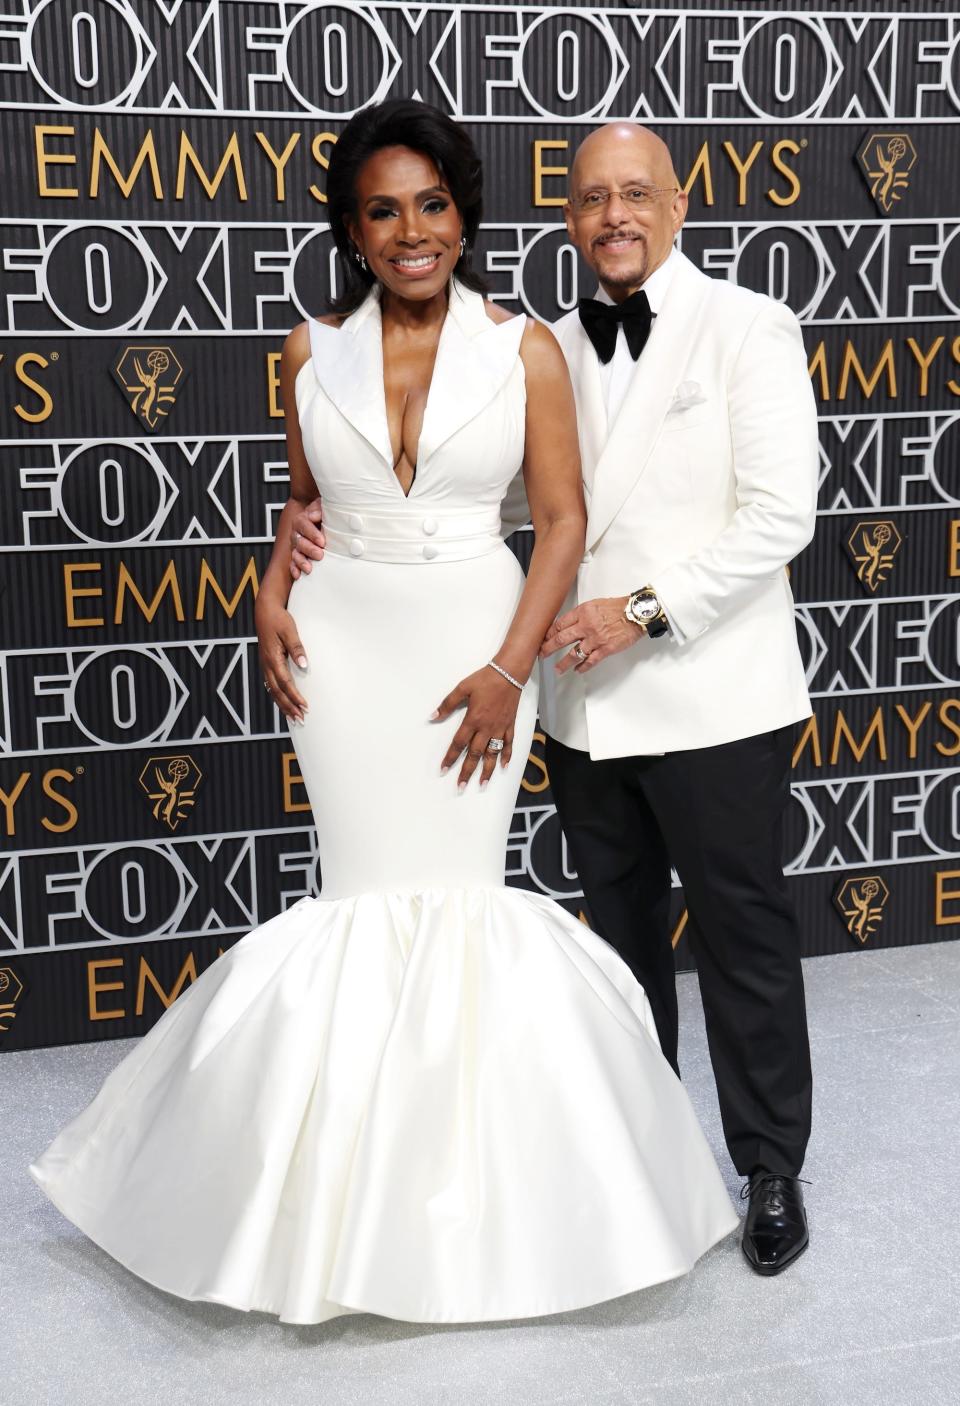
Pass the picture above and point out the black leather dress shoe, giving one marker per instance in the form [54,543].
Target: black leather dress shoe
[775,1231]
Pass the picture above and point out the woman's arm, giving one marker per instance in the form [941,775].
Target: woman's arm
[551,470]
[276,632]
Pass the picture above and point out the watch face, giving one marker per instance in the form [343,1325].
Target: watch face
[646,607]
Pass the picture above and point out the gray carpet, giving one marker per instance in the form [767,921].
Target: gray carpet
[871,1314]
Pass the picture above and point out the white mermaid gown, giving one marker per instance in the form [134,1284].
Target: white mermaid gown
[423,1095]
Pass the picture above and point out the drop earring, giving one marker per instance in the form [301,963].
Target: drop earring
[360,259]
[463,245]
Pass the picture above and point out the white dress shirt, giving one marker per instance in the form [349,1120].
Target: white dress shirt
[617,373]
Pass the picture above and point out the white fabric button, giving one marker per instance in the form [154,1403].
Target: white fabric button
[430,525]
[356,548]
[354,522]
[430,551]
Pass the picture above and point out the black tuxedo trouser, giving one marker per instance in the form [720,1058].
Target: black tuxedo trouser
[717,814]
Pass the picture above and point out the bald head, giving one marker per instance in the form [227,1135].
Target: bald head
[625,205]
[620,142]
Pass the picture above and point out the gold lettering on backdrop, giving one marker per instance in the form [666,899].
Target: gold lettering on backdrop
[8,799]
[924,359]
[913,725]
[811,736]
[321,140]
[679,929]
[841,731]
[954,386]
[95,987]
[946,897]
[47,158]
[291,778]
[949,715]
[742,167]
[701,166]
[851,362]
[211,184]
[776,158]
[49,777]
[540,171]
[101,154]
[73,593]
[188,972]
[274,408]
[168,582]
[953,548]
[278,160]
[818,367]
[207,578]
[33,417]
[539,765]
[861,903]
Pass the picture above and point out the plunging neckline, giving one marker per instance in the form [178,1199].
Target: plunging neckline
[391,466]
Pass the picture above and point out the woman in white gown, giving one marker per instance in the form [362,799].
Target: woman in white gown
[423,1094]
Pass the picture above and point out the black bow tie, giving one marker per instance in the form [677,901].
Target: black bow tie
[601,322]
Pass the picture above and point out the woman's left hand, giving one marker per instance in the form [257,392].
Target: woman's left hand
[491,704]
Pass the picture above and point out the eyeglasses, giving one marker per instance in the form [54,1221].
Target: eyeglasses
[635,198]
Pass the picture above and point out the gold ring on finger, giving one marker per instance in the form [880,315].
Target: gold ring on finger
[580,652]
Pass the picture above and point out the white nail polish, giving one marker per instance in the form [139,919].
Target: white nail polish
[302,661]
[484,785]
[461,788]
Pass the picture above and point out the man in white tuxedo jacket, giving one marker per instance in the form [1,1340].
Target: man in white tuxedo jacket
[672,681]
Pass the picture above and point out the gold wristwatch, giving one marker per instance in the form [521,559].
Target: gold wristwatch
[643,608]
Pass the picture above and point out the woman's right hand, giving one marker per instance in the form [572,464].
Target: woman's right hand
[278,640]
[306,539]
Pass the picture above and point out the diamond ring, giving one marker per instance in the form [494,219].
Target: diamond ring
[579,652]
[495,744]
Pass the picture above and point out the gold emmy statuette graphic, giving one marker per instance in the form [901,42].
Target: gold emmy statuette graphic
[860,902]
[872,547]
[150,378]
[887,158]
[11,989]
[171,783]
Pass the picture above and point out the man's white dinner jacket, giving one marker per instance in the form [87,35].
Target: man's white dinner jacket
[704,487]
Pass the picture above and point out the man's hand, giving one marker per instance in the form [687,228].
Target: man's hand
[596,629]
[307,540]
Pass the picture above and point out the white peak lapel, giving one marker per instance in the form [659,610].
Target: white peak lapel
[659,370]
[588,393]
[348,361]
[475,357]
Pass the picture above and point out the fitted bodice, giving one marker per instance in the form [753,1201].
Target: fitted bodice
[471,441]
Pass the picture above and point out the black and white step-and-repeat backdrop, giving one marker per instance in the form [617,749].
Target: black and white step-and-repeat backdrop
[164,226]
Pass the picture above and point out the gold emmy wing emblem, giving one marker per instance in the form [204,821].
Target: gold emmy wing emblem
[887,159]
[860,903]
[11,989]
[150,378]
[872,547]
[171,783]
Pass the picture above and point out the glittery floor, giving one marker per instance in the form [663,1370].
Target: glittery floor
[871,1314]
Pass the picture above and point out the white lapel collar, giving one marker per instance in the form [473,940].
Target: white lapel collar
[660,368]
[588,394]
[475,356]
[348,361]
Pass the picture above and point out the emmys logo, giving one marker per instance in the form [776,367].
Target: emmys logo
[11,989]
[171,783]
[887,160]
[860,903]
[872,547]
[150,377]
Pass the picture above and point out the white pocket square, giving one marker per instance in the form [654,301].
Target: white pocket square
[687,394]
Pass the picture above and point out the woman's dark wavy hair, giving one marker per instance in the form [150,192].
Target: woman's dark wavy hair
[401,122]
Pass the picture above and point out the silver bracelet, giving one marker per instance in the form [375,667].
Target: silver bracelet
[503,674]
